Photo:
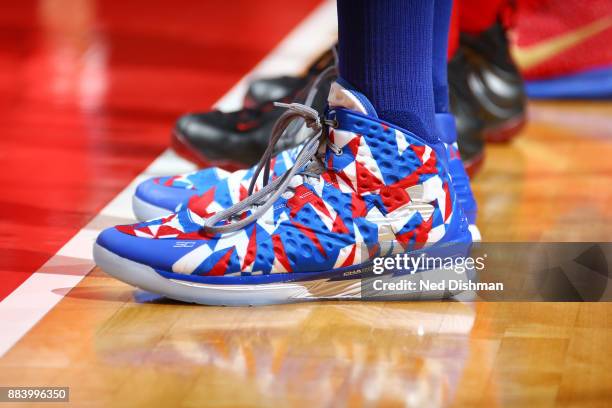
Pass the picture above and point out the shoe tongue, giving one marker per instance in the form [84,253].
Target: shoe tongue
[343,95]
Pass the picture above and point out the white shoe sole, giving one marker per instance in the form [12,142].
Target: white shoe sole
[145,211]
[145,277]
[476,237]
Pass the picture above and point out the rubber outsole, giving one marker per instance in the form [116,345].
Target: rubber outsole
[146,278]
[475,232]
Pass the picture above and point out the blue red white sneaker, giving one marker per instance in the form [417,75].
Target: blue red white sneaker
[360,187]
[162,196]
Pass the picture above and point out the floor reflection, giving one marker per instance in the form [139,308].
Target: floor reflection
[369,352]
[550,183]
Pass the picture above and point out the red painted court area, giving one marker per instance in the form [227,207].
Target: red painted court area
[89,91]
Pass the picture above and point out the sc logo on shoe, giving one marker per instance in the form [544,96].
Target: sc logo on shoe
[184,244]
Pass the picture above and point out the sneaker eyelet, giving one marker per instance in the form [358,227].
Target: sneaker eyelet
[339,152]
[333,123]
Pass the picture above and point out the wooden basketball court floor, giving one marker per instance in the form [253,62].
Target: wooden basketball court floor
[114,346]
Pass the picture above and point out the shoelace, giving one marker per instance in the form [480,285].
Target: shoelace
[294,132]
[261,201]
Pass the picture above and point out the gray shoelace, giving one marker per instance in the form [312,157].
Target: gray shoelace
[293,133]
[261,201]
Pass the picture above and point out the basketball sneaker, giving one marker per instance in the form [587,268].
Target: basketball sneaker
[465,108]
[229,140]
[360,187]
[235,140]
[563,49]
[495,82]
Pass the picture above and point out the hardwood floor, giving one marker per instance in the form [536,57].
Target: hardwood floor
[89,91]
[554,182]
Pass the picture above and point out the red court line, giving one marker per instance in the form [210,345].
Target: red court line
[89,95]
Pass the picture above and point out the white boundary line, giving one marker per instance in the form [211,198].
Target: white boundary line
[31,301]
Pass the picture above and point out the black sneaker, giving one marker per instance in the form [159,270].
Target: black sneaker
[235,140]
[495,82]
[465,109]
